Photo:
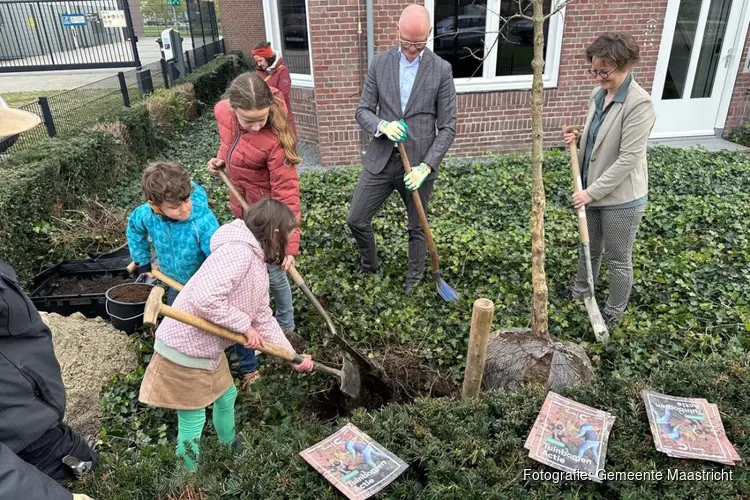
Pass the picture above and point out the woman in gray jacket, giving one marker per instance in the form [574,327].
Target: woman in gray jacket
[613,165]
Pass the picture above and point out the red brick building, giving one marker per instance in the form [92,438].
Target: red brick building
[694,62]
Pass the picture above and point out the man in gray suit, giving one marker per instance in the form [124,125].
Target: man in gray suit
[409,96]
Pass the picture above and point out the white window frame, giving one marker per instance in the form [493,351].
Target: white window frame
[273,35]
[487,82]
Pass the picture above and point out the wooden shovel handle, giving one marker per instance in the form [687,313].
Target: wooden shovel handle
[167,280]
[434,261]
[224,333]
[235,192]
[583,227]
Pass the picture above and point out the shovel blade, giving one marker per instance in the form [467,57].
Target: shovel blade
[350,380]
[597,322]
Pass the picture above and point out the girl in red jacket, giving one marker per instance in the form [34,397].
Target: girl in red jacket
[259,151]
[270,67]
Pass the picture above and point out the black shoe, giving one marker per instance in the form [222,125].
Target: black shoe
[365,272]
[409,285]
[610,321]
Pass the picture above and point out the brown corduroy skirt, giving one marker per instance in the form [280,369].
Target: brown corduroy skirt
[169,385]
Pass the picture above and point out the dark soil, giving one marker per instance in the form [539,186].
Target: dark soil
[405,379]
[76,285]
[133,294]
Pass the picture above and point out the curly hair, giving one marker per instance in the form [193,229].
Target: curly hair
[165,181]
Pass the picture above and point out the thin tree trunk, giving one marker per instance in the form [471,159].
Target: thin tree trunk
[538,278]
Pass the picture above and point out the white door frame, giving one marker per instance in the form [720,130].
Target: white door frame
[730,50]
[734,67]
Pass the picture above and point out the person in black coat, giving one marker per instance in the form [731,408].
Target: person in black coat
[37,450]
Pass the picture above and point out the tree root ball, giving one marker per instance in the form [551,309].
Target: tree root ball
[516,357]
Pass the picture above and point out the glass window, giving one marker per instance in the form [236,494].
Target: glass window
[295,40]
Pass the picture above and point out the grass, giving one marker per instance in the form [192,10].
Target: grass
[17,99]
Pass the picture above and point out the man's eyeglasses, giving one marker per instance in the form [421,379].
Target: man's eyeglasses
[405,44]
[603,74]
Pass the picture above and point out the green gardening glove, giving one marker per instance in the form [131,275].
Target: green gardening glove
[395,131]
[414,179]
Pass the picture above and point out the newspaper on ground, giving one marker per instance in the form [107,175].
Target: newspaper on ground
[570,437]
[688,428]
[355,464]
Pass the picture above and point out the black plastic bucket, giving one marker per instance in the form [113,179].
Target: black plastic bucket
[126,316]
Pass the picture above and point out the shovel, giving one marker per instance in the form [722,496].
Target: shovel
[595,316]
[360,358]
[348,375]
[446,293]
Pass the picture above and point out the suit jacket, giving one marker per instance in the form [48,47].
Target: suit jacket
[430,112]
[618,171]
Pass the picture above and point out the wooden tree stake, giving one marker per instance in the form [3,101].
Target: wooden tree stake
[481,322]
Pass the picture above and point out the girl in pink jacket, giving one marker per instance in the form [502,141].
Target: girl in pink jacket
[189,370]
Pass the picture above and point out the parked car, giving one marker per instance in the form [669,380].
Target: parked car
[466,30]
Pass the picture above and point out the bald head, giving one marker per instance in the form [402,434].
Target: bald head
[414,29]
[415,17]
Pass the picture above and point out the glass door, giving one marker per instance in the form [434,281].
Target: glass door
[693,63]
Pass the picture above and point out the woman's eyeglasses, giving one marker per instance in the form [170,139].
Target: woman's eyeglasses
[603,74]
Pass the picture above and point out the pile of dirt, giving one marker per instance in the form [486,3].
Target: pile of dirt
[90,352]
[75,285]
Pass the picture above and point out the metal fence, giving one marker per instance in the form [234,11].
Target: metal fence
[42,35]
[73,109]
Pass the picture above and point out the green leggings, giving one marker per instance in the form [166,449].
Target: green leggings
[190,426]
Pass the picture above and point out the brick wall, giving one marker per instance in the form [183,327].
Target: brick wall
[306,120]
[739,107]
[242,23]
[333,32]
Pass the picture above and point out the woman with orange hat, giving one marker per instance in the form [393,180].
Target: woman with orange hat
[270,67]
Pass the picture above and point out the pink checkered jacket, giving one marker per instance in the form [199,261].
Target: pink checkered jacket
[231,290]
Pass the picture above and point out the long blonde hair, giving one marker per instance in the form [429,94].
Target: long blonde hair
[249,91]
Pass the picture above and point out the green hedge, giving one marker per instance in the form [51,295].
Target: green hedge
[212,79]
[41,182]
[455,449]
[741,135]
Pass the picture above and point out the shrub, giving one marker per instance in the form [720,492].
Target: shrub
[211,80]
[741,135]
[455,449]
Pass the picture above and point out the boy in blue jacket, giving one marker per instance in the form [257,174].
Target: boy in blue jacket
[176,218]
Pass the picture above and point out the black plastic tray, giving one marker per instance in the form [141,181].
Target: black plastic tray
[90,305]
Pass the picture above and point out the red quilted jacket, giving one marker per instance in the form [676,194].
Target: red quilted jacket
[278,77]
[257,166]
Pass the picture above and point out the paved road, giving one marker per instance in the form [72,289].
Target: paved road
[148,51]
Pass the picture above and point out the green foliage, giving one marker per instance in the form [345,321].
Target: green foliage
[40,182]
[685,333]
[741,135]
[455,449]
[212,79]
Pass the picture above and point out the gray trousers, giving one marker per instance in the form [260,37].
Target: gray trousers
[611,232]
[372,191]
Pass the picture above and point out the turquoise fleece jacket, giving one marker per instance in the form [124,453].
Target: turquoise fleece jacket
[181,246]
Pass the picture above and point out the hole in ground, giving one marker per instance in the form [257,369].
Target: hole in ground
[405,379]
